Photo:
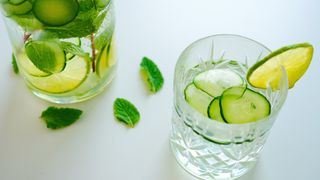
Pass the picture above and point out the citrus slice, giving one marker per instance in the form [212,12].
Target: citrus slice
[106,59]
[295,59]
[70,78]
[29,67]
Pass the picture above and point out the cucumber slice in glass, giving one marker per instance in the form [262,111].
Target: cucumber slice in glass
[214,111]
[20,9]
[240,105]
[69,79]
[215,81]
[55,12]
[100,4]
[197,99]
[106,59]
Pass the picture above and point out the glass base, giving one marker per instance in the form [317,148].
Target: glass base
[210,161]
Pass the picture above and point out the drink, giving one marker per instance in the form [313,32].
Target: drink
[221,144]
[65,49]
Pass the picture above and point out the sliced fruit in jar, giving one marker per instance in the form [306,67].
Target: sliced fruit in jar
[240,105]
[295,59]
[197,99]
[47,55]
[106,59]
[29,67]
[19,9]
[55,12]
[69,79]
[215,81]
[214,111]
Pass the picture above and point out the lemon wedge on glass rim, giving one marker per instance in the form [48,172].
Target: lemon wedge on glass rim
[295,59]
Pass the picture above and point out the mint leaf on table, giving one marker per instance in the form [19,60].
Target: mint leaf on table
[14,64]
[57,118]
[151,74]
[126,112]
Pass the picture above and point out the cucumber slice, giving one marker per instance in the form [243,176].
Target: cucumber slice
[69,79]
[214,111]
[55,12]
[241,105]
[20,9]
[107,59]
[16,2]
[3,1]
[215,81]
[197,99]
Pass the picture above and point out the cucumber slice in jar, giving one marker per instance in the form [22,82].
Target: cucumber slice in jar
[16,2]
[55,12]
[100,4]
[240,105]
[214,111]
[215,81]
[20,9]
[197,99]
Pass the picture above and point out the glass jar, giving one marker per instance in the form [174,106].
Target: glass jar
[65,49]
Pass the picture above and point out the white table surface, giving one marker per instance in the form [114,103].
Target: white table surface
[99,148]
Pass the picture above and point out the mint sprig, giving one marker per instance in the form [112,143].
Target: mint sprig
[126,112]
[151,74]
[57,118]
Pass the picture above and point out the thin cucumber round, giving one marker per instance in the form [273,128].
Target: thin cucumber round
[214,111]
[20,9]
[215,81]
[55,12]
[197,99]
[240,105]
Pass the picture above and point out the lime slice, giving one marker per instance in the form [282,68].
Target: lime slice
[295,59]
[70,78]
[29,67]
[106,59]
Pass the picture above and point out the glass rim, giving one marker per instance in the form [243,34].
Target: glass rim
[224,124]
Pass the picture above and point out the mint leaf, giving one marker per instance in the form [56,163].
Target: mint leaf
[47,56]
[14,64]
[71,48]
[126,112]
[151,74]
[57,118]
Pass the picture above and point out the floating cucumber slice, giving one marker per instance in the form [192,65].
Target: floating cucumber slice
[215,81]
[106,59]
[15,2]
[55,12]
[47,55]
[29,67]
[198,99]
[241,105]
[20,9]
[295,59]
[69,79]
[214,111]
